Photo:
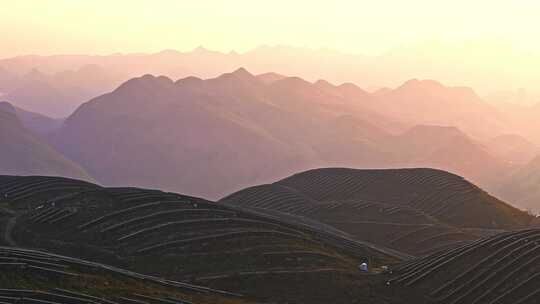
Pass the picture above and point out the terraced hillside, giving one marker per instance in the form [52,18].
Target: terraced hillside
[415,211]
[497,270]
[30,276]
[188,239]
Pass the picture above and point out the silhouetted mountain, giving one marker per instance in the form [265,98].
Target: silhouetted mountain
[236,130]
[512,148]
[523,119]
[38,123]
[59,94]
[270,77]
[431,103]
[23,153]
[448,148]
[521,187]
[125,137]
[415,102]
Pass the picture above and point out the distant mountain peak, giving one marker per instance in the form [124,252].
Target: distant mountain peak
[321,83]
[145,82]
[189,80]
[169,52]
[292,83]
[270,77]
[202,50]
[239,74]
[242,72]
[427,84]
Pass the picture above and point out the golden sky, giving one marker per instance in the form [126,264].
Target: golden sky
[355,26]
[490,45]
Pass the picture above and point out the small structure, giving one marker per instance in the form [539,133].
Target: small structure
[363,267]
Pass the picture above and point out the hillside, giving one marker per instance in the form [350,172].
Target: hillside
[268,244]
[499,269]
[414,211]
[187,239]
[32,276]
[23,153]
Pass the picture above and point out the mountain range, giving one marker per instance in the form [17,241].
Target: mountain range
[283,124]
[211,137]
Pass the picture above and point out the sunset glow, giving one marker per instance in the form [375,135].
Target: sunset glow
[64,26]
[475,42]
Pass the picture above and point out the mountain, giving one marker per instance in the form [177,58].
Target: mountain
[448,148]
[270,77]
[429,102]
[23,153]
[521,187]
[443,62]
[512,148]
[413,102]
[229,132]
[38,123]
[59,94]
[282,126]
[523,119]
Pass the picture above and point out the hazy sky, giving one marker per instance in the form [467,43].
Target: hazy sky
[369,27]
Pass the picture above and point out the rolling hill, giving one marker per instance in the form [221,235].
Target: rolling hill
[25,153]
[414,211]
[298,240]
[188,240]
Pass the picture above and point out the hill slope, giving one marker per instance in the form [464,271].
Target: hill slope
[500,269]
[42,277]
[187,239]
[411,210]
[522,186]
[24,153]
